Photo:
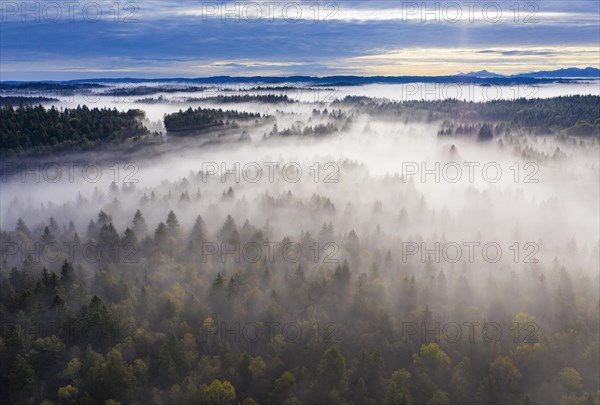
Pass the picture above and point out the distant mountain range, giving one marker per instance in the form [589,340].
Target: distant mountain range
[481,73]
[588,72]
[481,77]
[568,73]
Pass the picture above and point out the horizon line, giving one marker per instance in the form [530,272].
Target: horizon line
[471,75]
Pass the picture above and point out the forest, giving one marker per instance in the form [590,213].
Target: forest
[21,100]
[35,128]
[158,317]
[577,115]
[200,120]
[44,130]
[129,90]
[299,202]
[248,98]
[312,263]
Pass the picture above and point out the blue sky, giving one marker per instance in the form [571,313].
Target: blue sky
[84,39]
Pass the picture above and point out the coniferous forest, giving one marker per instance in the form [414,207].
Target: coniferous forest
[360,251]
[299,202]
[27,128]
[34,127]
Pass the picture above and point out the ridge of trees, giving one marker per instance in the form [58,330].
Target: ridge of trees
[203,119]
[122,332]
[37,128]
[575,115]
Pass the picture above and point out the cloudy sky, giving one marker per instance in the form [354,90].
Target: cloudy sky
[193,38]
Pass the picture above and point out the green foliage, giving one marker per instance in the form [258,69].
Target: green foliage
[201,120]
[218,392]
[577,115]
[22,381]
[332,370]
[152,331]
[21,100]
[247,98]
[36,128]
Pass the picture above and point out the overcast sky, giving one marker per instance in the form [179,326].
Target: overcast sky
[155,39]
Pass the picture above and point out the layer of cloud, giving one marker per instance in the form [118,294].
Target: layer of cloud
[156,39]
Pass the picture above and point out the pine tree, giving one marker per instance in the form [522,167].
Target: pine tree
[21,378]
[139,224]
[21,227]
[173,224]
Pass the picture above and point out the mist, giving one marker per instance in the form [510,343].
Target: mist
[430,228]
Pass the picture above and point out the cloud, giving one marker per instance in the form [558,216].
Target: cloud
[519,52]
[423,61]
[362,38]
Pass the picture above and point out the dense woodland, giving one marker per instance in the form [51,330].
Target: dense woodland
[200,120]
[154,320]
[320,123]
[577,115]
[250,98]
[38,128]
[299,130]
[114,294]
[131,90]
[21,100]
[44,130]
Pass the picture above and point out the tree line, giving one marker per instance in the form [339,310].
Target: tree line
[204,119]
[37,128]
[574,115]
[151,330]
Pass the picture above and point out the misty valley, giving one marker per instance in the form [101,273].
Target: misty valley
[267,243]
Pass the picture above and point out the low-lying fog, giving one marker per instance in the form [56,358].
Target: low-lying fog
[390,181]
[310,95]
[389,224]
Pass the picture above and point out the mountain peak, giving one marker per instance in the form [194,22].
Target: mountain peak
[481,73]
[571,72]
